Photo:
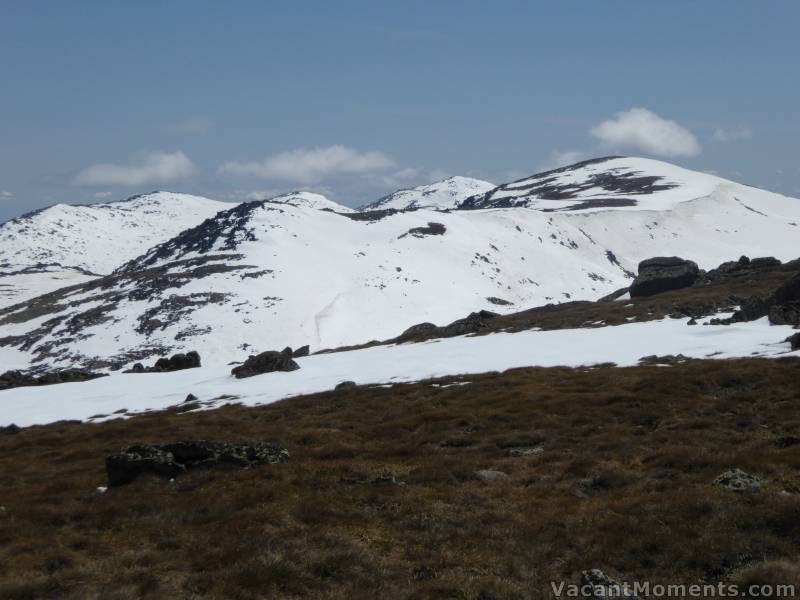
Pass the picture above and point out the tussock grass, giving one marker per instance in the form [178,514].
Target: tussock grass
[380,497]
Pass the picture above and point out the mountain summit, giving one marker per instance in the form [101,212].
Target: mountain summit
[441,195]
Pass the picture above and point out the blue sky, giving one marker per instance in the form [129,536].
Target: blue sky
[101,100]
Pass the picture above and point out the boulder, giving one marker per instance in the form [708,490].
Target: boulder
[738,481]
[171,460]
[789,291]
[266,362]
[663,274]
[176,362]
[418,329]
[785,303]
[345,385]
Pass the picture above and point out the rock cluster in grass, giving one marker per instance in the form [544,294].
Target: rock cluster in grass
[171,460]
[737,480]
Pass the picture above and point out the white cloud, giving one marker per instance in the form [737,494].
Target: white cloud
[6,195]
[155,168]
[732,135]
[310,165]
[103,194]
[557,159]
[643,130]
[195,125]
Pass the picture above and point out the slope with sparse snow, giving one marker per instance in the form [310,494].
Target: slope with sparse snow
[442,195]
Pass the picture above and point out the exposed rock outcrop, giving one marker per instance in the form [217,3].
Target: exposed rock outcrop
[785,303]
[13,379]
[176,362]
[663,274]
[172,460]
[743,267]
[737,480]
[266,362]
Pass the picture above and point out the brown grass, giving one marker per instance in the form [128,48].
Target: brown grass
[380,497]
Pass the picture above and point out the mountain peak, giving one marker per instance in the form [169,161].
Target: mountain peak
[611,182]
[440,195]
[310,200]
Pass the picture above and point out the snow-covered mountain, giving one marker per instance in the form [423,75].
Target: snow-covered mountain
[100,237]
[67,244]
[442,195]
[622,183]
[266,274]
[311,200]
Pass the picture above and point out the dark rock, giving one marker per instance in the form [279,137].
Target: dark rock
[788,292]
[662,274]
[499,301]
[794,341]
[431,229]
[171,460]
[10,429]
[786,314]
[346,385]
[190,398]
[301,352]
[418,329]
[792,265]
[176,362]
[743,267]
[14,379]
[784,304]
[470,324]
[266,362]
[692,321]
